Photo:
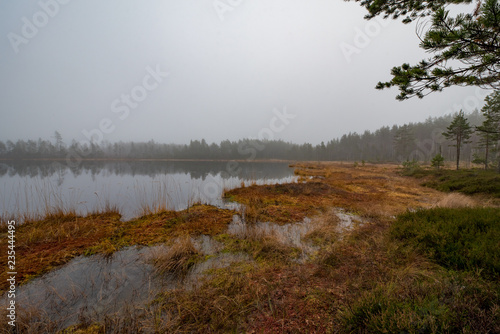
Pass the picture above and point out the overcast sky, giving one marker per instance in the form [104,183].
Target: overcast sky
[172,71]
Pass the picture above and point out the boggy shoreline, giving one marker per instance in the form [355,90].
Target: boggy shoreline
[271,290]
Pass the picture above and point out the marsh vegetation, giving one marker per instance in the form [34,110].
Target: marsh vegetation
[345,249]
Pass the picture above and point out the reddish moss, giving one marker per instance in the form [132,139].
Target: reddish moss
[53,241]
[198,219]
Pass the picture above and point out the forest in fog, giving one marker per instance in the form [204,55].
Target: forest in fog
[420,141]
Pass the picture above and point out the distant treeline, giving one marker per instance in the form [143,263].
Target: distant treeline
[420,141]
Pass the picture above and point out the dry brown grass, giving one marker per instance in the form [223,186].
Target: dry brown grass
[374,190]
[336,293]
[270,248]
[456,200]
[283,203]
[162,227]
[274,295]
[30,319]
[178,259]
[325,229]
[251,299]
[260,244]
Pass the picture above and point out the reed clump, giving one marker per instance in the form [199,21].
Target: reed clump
[178,259]
[260,246]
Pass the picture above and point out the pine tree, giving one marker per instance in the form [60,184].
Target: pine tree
[458,131]
[489,131]
[486,139]
[465,48]
[438,160]
[59,144]
[404,142]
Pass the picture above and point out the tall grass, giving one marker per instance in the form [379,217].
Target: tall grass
[164,194]
[156,197]
[38,199]
[178,259]
[261,246]
[325,230]
[105,206]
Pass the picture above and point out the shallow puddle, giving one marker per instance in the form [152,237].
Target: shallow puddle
[291,234]
[347,219]
[89,287]
[95,287]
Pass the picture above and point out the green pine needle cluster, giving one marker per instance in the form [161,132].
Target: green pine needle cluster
[469,41]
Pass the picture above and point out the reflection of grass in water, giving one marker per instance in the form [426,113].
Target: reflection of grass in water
[37,199]
[42,199]
[99,299]
[154,198]
[104,205]
[162,194]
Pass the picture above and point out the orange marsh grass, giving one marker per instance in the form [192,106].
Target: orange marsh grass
[177,259]
[45,244]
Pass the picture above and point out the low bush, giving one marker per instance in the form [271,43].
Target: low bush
[456,303]
[410,168]
[459,239]
[471,181]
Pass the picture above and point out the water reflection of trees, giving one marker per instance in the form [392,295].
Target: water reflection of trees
[197,169]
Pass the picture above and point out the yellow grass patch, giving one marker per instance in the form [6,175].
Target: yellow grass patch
[372,190]
[456,200]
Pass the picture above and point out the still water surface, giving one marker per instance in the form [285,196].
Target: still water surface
[31,188]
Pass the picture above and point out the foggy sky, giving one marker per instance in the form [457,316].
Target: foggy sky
[77,65]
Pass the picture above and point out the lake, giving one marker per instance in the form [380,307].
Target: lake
[31,189]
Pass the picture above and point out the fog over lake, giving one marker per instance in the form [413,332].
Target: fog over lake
[35,188]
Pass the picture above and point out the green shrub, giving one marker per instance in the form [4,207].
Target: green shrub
[410,167]
[437,161]
[455,303]
[460,239]
[472,181]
